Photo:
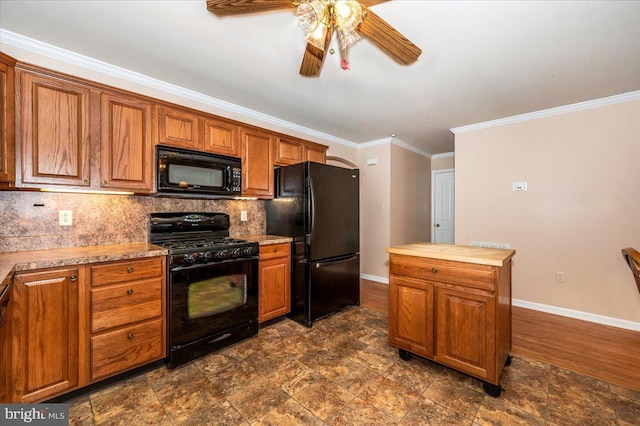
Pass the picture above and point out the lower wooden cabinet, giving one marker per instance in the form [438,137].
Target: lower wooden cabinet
[127,322]
[70,327]
[455,313]
[44,324]
[274,287]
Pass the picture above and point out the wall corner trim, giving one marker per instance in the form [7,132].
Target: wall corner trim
[596,103]
[376,278]
[584,316]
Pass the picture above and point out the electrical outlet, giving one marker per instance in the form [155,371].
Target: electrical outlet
[243,215]
[65,217]
[560,277]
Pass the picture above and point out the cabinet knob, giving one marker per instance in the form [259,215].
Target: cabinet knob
[130,269]
[85,180]
[434,269]
[73,277]
[275,250]
[129,336]
[105,182]
[130,291]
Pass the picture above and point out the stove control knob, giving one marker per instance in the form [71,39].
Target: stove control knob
[237,252]
[248,251]
[205,255]
[222,254]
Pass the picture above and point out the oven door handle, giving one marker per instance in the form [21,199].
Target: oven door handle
[201,265]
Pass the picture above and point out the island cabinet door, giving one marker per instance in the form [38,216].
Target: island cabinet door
[465,332]
[44,335]
[411,315]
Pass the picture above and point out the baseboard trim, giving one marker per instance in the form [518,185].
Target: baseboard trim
[376,278]
[585,316]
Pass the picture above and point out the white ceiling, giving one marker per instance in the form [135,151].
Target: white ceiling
[481,60]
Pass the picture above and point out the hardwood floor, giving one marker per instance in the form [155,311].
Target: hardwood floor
[600,351]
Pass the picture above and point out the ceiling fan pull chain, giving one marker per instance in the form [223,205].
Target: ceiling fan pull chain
[344,64]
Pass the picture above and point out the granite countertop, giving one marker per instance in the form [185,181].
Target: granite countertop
[458,253]
[28,260]
[264,240]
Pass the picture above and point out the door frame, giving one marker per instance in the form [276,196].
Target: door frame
[433,204]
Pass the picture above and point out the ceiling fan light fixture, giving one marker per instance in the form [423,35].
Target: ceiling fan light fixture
[313,19]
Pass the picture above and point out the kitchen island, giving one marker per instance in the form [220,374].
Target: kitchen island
[452,304]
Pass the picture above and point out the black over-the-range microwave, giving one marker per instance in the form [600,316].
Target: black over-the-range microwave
[184,172]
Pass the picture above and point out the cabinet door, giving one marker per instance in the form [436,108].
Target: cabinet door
[315,153]
[274,288]
[466,336]
[178,128]
[55,131]
[126,153]
[288,151]
[7,120]
[411,324]
[45,329]
[221,137]
[257,164]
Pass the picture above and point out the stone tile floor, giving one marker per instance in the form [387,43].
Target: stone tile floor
[343,371]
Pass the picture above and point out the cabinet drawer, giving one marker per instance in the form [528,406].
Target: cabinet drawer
[127,348]
[274,250]
[132,270]
[471,275]
[114,306]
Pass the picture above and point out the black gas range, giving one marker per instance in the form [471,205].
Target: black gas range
[212,283]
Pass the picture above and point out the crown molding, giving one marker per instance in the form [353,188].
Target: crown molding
[596,103]
[443,155]
[394,141]
[44,49]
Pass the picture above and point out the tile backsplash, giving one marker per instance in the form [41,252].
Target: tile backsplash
[29,220]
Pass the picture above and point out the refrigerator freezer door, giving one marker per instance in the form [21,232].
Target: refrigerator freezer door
[333,284]
[333,224]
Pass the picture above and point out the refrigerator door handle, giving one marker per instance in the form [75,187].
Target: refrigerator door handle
[335,262]
[312,212]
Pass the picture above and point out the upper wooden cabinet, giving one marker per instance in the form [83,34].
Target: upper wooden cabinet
[257,163]
[293,151]
[55,132]
[183,128]
[7,120]
[315,152]
[179,128]
[221,137]
[126,153]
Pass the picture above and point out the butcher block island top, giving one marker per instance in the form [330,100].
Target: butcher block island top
[456,253]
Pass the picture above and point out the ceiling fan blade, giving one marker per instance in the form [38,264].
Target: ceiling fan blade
[370,3]
[388,39]
[314,57]
[240,7]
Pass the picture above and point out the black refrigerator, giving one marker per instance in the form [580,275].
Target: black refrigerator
[318,206]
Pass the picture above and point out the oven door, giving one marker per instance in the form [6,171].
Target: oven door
[211,298]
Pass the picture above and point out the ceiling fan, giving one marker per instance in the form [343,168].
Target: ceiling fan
[319,19]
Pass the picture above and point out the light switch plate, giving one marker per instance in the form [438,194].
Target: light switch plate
[243,215]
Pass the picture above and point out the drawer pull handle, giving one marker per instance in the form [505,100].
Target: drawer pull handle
[129,336]
[130,291]
[73,277]
[130,269]
[275,250]
[434,269]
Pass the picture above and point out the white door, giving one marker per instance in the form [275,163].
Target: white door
[442,206]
